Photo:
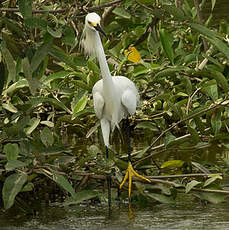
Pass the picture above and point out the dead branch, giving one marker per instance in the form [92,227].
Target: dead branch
[33,11]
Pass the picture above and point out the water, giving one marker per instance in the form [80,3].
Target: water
[186,214]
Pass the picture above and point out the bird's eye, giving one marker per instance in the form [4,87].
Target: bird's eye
[90,23]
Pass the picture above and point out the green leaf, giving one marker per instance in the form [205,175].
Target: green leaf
[80,197]
[39,55]
[171,71]
[205,31]
[28,187]
[11,151]
[14,164]
[17,85]
[169,138]
[80,105]
[146,125]
[175,11]
[161,198]
[142,153]
[214,198]
[213,4]
[191,185]
[62,56]
[93,66]
[8,58]
[33,123]
[9,107]
[39,100]
[14,27]
[2,77]
[121,12]
[167,42]
[33,82]
[216,122]
[212,91]
[34,22]
[221,46]
[194,133]
[55,76]
[212,179]
[219,77]
[213,37]
[63,182]
[69,37]
[25,7]
[57,33]
[12,186]
[172,164]
[47,137]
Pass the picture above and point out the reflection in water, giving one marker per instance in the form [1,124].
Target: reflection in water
[186,214]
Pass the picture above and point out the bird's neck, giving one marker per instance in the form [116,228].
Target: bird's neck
[99,51]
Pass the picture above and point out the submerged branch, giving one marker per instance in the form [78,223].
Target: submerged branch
[161,180]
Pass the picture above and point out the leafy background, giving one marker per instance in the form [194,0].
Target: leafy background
[47,110]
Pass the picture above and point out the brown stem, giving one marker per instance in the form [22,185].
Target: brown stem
[99,7]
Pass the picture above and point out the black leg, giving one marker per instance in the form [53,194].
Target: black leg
[128,139]
[128,144]
[109,181]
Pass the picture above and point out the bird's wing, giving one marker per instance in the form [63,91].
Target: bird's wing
[98,104]
[129,100]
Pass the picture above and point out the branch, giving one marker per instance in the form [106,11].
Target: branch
[152,178]
[102,6]
[159,179]
[144,6]
[225,192]
[151,148]
[186,119]
[33,11]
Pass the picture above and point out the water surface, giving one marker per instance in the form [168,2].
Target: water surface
[187,213]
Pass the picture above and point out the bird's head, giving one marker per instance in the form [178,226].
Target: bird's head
[92,22]
[90,34]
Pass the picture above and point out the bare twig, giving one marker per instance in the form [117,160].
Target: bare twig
[225,192]
[144,6]
[205,61]
[107,12]
[102,6]
[190,99]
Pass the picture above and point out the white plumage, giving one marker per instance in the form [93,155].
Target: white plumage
[114,97]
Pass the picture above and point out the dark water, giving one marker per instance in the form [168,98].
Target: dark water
[185,214]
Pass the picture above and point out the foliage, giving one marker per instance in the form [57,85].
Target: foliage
[46,85]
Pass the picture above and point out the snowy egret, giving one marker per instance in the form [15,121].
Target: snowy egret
[114,97]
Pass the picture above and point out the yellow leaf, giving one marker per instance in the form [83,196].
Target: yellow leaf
[132,54]
[172,164]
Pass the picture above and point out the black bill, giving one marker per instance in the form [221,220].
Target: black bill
[99,28]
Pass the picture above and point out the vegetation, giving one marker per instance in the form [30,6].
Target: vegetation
[46,108]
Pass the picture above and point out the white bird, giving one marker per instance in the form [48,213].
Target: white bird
[114,97]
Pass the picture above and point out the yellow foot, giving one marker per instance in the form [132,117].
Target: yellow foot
[129,174]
